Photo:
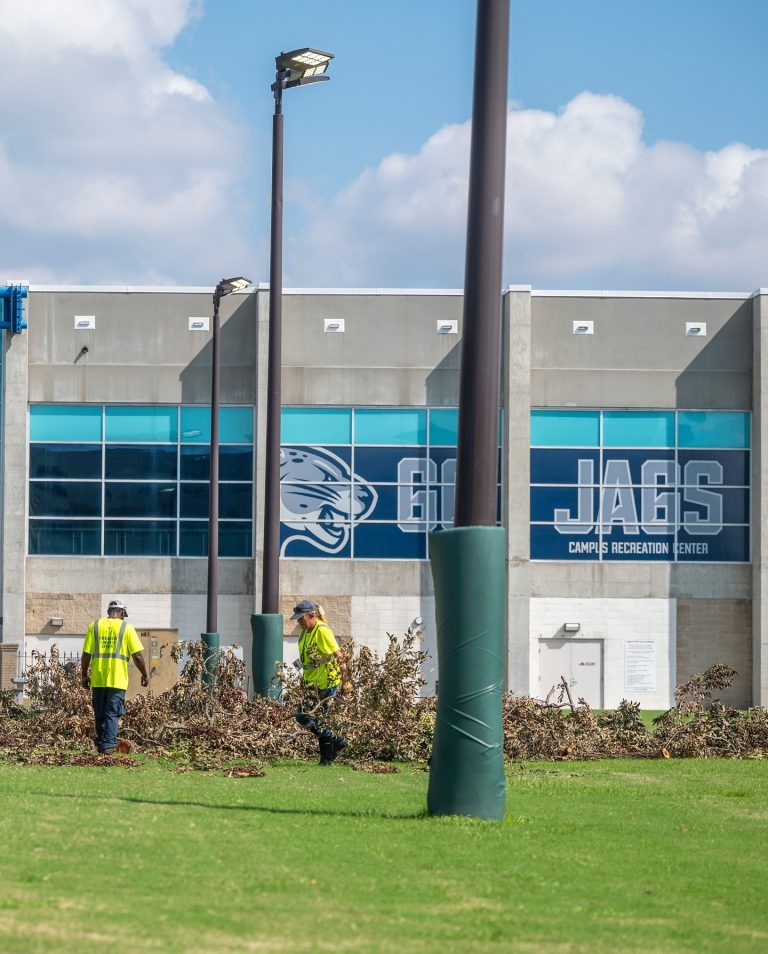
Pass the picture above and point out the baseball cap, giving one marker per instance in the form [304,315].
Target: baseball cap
[117,605]
[302,607]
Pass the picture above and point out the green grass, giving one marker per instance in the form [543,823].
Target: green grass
[611,856]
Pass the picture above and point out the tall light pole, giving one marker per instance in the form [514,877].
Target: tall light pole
[297,68]
[211,637]
[468,561]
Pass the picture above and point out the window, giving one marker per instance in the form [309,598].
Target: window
[132,480]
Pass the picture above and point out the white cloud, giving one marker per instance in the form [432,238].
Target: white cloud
[589,204]
[113,167]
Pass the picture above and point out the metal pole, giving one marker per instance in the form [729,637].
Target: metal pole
[270,590]
[213,505]
[477,457]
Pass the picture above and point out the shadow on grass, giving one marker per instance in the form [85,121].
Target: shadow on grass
[312,810]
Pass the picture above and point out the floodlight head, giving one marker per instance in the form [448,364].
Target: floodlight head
[301,67]
[228,285]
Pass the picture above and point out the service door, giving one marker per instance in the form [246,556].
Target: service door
[580,661]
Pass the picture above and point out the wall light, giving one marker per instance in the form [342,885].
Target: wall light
[333,324]
[447,327]
[583,327]
[57,621]
[571,627]
[696,329]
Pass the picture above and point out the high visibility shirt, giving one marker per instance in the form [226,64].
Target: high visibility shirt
[111,643]
[316,648]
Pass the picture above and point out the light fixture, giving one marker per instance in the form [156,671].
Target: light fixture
[57,621]
[300,67]
[447,327]
[571,627]
[696,329]
[583,327]
[333,324]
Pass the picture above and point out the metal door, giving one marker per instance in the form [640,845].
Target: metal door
[580,661]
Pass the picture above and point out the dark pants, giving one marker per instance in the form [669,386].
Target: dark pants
[306,712]
[108,706]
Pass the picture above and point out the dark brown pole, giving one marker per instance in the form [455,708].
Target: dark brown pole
[270,589]
[213,500]
[476,467]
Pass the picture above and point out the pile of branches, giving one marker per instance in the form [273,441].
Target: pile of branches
[206,720]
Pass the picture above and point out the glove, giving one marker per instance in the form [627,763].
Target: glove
[347,687]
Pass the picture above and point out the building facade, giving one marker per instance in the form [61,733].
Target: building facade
[630,473]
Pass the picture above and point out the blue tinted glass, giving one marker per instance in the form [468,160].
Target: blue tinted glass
[65,422]
[655,467]
[193,538]
[579,503]
[140,538]
[236,463]
[65,460]
[548,544]
[316,425]
[64,498]
[386,541]
[638,429]
[702,508]
[731,545]
[235,425]
[140,462]
[130,423]
[444,426]
[235,501]
[195,462]
[713,428]
[734,465]
[565,428]
[139,500]
[65,537]
[565,467]
[235,538]
[391,426]
[393,465]
[317,502]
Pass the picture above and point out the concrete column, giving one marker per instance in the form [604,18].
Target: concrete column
[759,490]
[516,399]
[14,485]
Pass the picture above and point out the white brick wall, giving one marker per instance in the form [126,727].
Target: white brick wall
[614,621]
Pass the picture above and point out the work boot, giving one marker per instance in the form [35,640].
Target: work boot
[339,744]
[327,753]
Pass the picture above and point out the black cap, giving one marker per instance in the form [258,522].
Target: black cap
[302,607]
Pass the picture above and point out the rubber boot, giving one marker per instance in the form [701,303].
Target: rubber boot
[327,754]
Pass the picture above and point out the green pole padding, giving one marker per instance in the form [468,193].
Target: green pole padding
[267,654]
[210,654]
[467,765]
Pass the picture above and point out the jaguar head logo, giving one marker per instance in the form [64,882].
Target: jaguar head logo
[319,497]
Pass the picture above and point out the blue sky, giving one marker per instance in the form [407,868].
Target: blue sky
[138,148]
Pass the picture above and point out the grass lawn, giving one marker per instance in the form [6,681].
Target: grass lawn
[612,856]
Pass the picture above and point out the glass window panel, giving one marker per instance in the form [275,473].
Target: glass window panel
[316,425]
[65,422]
[139,500]
[713,428]
[386,541]
[235,538]
[332,502]
[140,462]
[65,460]
[444,426]
[565,428]
[140,538]
[235,462]
[141,423]
[235,425]
[314,464]
[391,426]
[638,429]
[733,463]
[392,465]
[731,545]
[64,498]
[65,537]
[235,501]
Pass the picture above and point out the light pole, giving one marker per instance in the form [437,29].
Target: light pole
[211,637]
[297,68]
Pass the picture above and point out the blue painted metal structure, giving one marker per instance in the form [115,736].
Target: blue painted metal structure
[12,299]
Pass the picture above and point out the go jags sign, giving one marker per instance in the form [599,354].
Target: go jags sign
[663,505]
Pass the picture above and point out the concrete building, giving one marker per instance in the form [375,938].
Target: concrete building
[630,481]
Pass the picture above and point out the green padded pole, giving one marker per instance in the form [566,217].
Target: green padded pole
[211,643]
[467,766]
[267,653]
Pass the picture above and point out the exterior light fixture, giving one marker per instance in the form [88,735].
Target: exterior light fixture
[571,627]
[57,621]
[301,67]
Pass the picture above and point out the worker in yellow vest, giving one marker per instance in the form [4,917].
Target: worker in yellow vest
[322,666]
[109,643]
